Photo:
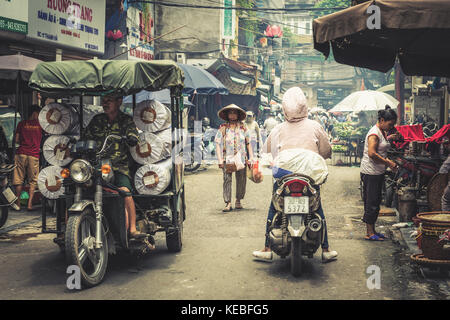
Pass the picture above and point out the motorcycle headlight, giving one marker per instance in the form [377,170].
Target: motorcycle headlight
[80,171]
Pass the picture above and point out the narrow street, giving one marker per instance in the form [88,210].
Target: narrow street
[216,260]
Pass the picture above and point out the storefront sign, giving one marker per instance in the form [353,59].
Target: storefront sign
[78,24]
[228,20]
[140,24]
[14,16]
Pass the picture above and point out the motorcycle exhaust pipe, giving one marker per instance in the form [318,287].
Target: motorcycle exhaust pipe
[314,227]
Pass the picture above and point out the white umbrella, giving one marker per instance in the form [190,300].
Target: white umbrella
[366,100]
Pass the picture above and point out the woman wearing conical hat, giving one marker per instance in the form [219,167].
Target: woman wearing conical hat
[232,144]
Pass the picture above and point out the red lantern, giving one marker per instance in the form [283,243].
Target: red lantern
[273,32]
[268,31]
[110,35]
[118,35]
[276,31]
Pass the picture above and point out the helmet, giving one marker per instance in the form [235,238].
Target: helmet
[206,122]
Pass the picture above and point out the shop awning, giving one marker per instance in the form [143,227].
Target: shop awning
[415,31]
[239,78]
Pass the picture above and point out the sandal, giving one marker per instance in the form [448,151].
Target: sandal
[238,205]
[373,237]
[228,207]
[380,235]
[137,235]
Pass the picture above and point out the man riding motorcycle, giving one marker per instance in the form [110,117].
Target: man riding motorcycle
[113,121]
[297,132]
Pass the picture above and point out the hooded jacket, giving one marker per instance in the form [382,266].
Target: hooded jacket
[297,131]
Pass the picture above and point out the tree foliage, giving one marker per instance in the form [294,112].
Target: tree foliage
[329,4]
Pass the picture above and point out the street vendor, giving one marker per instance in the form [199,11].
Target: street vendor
[113,121]
[373,168]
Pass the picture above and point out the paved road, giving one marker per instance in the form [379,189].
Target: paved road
[216,261]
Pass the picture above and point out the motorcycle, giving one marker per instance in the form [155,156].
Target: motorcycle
[201,146]
[297,229]
[195,152]
[96,220]
[7,196]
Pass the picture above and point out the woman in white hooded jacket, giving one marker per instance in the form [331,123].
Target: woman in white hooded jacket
[296,132]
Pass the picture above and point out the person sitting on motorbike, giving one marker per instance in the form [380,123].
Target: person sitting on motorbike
[113,121]
[296,132]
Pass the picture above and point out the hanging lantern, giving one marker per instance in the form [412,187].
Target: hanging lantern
[273,32]
[263,42]
[277,32]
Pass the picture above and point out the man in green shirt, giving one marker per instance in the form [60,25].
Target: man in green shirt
[113,121]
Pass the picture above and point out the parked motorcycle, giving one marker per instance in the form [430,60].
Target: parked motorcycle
[200,147]
[297,228]
[194,152]
[7,196]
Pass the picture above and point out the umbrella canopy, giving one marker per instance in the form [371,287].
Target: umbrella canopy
[367,100]
[162,96]
[13,65]
[201,81]
[16,70]
[415,31]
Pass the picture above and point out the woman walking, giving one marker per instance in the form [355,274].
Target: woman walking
[373,168]
[233,139]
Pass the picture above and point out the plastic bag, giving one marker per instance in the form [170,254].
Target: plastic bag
[253,173]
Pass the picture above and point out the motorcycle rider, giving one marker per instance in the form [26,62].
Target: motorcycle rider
[113,121]
[296,132]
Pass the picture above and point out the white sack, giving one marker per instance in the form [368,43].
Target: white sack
[149,149]
[56,118]
[304,162]
[153,179]
[151,116]
[50,182]
[56,150]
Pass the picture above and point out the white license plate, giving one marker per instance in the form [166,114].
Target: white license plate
[296,205]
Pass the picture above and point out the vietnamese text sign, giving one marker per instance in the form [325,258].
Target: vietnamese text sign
[141,30]
[228,20]
[78,24]
[14,16]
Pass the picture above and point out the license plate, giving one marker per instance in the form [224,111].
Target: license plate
[9,195]
[296,205]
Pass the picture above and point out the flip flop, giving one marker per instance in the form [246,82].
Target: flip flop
[373,238]
[380,235]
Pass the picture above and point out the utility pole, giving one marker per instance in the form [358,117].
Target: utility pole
[400,91]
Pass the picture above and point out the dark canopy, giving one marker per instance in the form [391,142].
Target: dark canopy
[99,77]
[201,81]
[415,31]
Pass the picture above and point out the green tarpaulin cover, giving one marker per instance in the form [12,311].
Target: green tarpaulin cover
[99,77]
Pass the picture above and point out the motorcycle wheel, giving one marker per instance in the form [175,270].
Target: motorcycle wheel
[174,238]
[3,216]
[296,256]
[80,250]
